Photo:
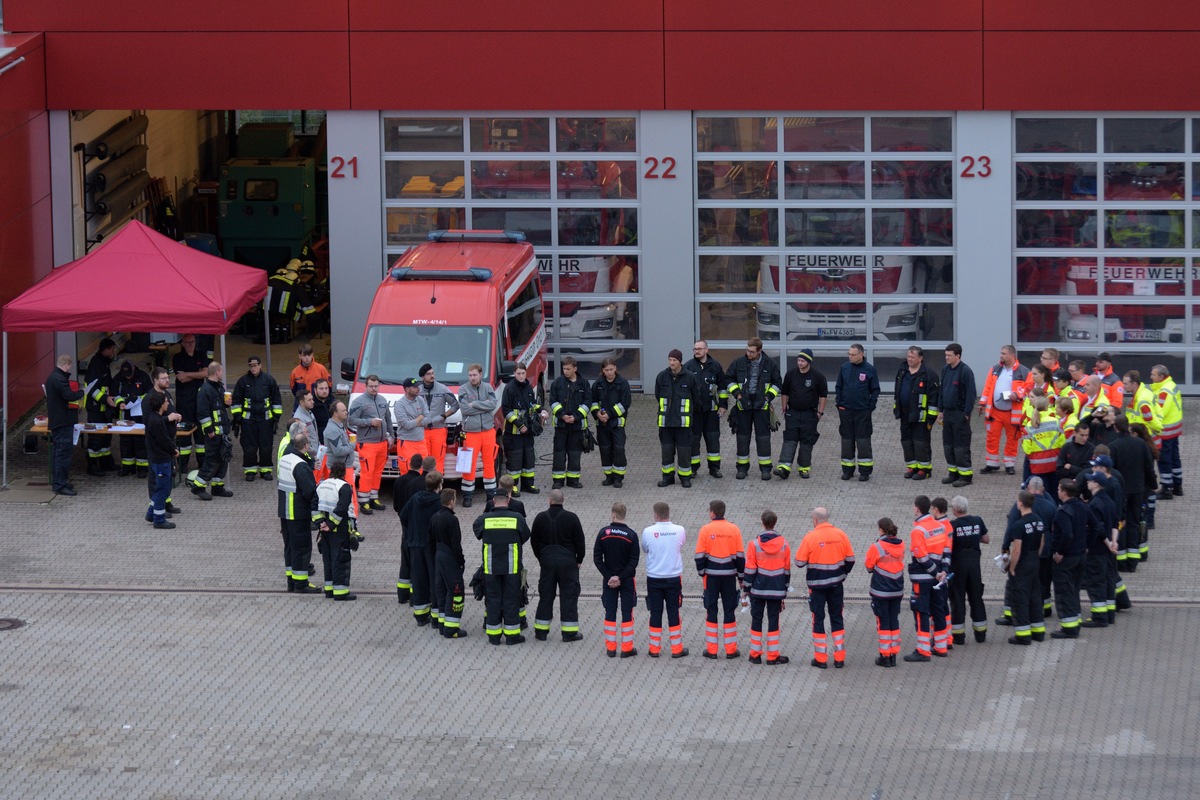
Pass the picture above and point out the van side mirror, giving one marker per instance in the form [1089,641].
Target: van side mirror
[507,370]
[348,369]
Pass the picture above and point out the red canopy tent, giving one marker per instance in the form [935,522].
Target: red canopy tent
[137,280]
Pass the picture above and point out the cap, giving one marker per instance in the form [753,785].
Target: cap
[1104,357]
[253,360]
[806,354]
[424,368]
[408,382]
[1092,476]
[1061,375]
[675,354]
[1102,461]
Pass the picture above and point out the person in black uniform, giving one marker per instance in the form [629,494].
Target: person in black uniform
[257,407]
[856,394]
[712,405]
[339,530]
[1101,547]
[559,547]
[130,385]
[569,404]
[161,454]
[915,405]
[414,518]
[99,407]
[405,487]
[967,532]
[1023,589]
[753,383]
[958,400]
[61,421]
[523,417]
[1134,459]
[804,394]
[611,399]
[616,554]
[298,507]
[446,536]
[1071,531]
[678,395]
[191,370]
[503,533]
[504,486]
[213,416]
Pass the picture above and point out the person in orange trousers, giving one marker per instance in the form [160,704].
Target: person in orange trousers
[768,574]
[1001,405]
[478,402]
[828,557]
[371,419]
[720,560]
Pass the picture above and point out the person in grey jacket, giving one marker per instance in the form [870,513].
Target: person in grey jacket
[478,402]
[411,413]
[442,404]
[338,446]
[371,419]
[303,412]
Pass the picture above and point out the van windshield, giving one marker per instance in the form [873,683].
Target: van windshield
[396,352]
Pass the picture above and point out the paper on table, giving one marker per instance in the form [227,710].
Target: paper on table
[464,464]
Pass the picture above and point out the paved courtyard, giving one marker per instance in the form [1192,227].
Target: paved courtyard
[173,664]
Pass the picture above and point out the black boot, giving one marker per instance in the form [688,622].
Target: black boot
[981,636]
[668,479]
[715,472]
[765,473]
[742,472]
[959,638]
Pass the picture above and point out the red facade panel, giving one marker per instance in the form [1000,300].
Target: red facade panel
[515,15]
[819,15]
[1089,71]
[198,70]
[25,165]
[26,256]
[23,85]
[824,71]
[1096,15]
[58,16]
[516,71]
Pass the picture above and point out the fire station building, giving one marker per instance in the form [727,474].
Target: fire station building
[814,175]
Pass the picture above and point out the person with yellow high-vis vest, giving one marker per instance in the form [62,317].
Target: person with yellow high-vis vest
[1170,412]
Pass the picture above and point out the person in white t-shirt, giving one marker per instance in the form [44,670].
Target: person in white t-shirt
[663,543]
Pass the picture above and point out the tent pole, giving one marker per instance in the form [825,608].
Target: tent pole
[4,412]
[267,334]
[224,362]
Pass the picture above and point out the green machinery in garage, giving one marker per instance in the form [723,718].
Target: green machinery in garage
[268,209]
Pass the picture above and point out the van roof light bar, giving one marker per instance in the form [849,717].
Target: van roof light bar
[498,237]
[476,274]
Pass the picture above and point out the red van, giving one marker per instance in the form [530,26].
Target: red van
[460,298]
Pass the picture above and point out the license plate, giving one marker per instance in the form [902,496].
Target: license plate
[1143,336]
[395,462]
[835,333]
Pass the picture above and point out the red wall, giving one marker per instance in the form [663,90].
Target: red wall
[26,241]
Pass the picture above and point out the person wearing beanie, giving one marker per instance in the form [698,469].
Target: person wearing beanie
[678,395]
[442,404]
[804,394]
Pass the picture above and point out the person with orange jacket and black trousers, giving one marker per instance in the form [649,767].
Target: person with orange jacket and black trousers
[720,560]
[885,562]
[828,557]
[768,574]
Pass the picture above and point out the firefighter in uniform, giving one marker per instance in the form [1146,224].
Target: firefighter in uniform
[826,555]
[714,400]
[479,404]
[129,386]
[1071,530]
[856,393]
[1000,404]
[569,405]
[753,383]
[957,400]
[804,394]
[1042,442]
[213,415]
[915,402]
[677,393]
[1117,591]
[442,404]
[1170,411]
[924,571]
[611,399]
[616,554]
[523,417]
[298,508]
[97,382]
[414,520]
[767,578]
[1143,409]
[662,543]
[338,525]
[445,536]
[559,546]
[257,407]
[885,563]
[190,368]
[1023,589]
[503,534]
[1101,547]
[721,561]
[968,531]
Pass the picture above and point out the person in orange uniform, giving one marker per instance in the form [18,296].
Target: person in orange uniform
[885,562]
[828,557]
[306,374]
[940,599]
[720,560]
[924,570]
[1114,389]
[1000,405]
[768,573]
